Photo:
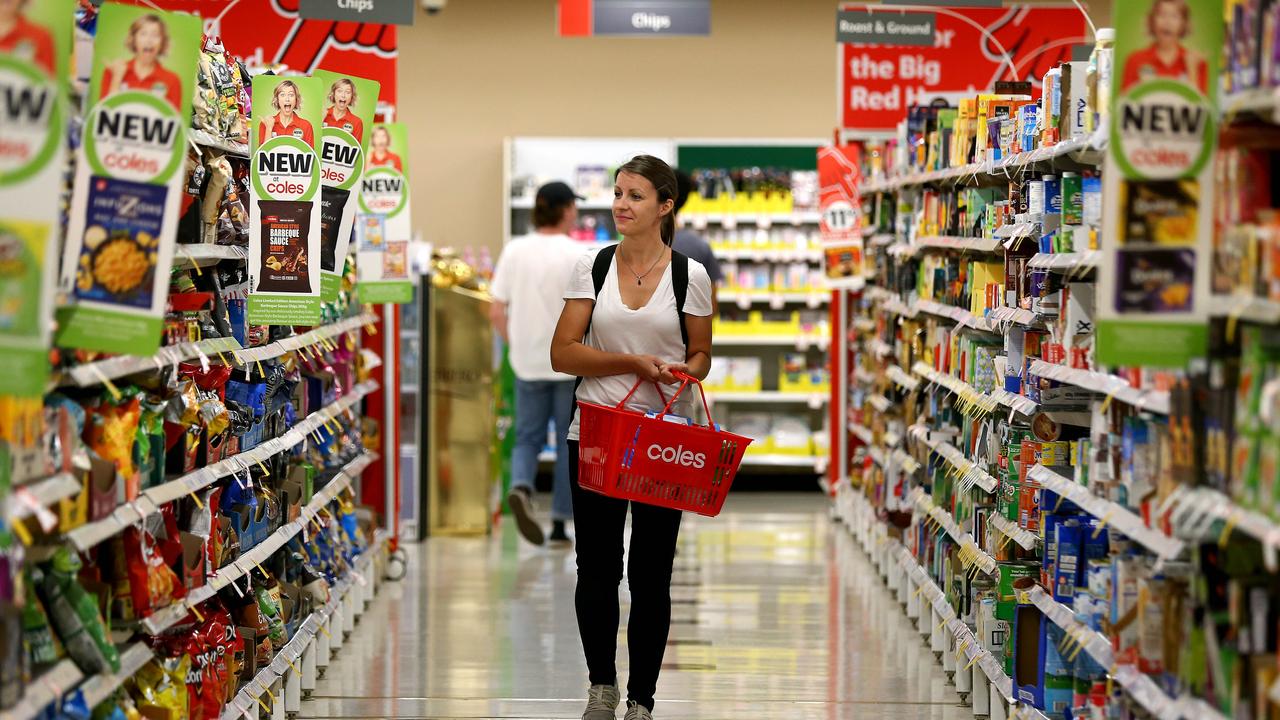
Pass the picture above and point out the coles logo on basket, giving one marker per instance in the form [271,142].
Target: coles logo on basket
[677,456]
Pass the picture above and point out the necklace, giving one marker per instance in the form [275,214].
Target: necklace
[641,276]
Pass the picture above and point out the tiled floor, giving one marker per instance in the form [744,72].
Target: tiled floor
[776,617]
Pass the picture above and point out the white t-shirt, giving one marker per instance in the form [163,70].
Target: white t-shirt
[531,276]
[652,330]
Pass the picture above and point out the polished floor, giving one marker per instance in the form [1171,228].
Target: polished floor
[777,616]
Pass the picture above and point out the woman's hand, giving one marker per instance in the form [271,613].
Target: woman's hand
[667,371]
[649,368]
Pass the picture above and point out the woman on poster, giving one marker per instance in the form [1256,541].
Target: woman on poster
[287,101]
[342,96]
[1168,24]
[380,154]
[148,42]
[23,39]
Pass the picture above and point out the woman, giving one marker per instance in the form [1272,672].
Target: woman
[287,101]
[1168,22]
[342,95]
[23,39]
[635,334]
[380,154]
[148,41]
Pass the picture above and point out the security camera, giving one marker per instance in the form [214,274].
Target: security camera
[433,6]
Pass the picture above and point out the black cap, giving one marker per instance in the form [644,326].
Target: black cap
[557,194]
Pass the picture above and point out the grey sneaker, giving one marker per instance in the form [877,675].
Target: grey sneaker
[602,702]
[521,502]
[636,711]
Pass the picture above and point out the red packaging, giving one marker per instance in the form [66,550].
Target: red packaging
[1028,488]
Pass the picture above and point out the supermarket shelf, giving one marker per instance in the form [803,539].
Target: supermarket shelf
[1024,405]
[817,463]
[1200,514]
[960,315]
[962,389]
[901,378]
[152,499]
[1262,102]
[766,254]
[1068,262]
[880,403]
[1015,316]
[799,342]
[946,242]
[1247,308]
[799,217]
[287,657]
[26,500]
[864,377]
[523,203]
[1275,692]
[812,299]
[319,335]
[45,689]
[1016,231]
[971,554]
[880,348]
[100,687]
[1028,540]
[94,373]
[189,254]
[1105,384]
[1084,151]
[881,240]
[408,389]
[206,139]
[1116,517]
[862,432]
[813,399]
[970,474]
[164,619]
[897,307]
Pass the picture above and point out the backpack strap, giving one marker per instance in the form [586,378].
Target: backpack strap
[680,286]
[600,273]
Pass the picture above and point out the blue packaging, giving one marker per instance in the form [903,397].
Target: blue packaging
[1052,195]
[1068,564]
[1028,115]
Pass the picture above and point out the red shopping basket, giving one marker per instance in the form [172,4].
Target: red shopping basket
[626,455]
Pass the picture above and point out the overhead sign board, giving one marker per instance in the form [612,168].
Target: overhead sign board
[634,18]
[885,28]
[382,12]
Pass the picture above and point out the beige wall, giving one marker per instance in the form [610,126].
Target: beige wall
[484,70]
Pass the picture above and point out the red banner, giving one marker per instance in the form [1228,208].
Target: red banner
[973,49]
[265,32]
[839,182]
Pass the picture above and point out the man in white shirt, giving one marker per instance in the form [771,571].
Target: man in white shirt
[528,291]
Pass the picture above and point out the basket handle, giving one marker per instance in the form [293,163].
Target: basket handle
[685,379]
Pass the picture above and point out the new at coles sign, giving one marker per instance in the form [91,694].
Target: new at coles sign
[286,168]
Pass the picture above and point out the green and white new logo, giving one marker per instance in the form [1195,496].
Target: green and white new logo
[285,168]
[384,191]
[134,136]
[341,158]
[30,120]
[1162,130]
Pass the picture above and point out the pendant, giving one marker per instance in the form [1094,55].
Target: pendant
[638,281]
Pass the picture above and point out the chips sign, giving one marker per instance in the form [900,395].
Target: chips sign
[880,78]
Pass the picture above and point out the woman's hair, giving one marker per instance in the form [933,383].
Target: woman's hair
[1182,7]
[658,172]
[334,88]
[381,129]
[136,27]
[297,95]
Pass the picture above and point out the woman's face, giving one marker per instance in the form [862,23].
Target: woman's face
[1167,22]
[636,208]
[342,97]
[380,141]
[286,99]
[148,41]
[9,9]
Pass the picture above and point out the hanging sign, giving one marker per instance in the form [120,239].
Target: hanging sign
[395,12]
[33,121]
[885,28]
[383,227]
[634,18]
[965,54]
[1154,286]
[284,235]
[839,180]
[129,171]
[350,102]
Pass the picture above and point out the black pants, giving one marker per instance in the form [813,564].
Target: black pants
[599,522]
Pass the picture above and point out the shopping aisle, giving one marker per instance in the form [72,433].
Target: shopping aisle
[773,620]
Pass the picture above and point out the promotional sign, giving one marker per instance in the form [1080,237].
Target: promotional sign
[129,172]
[284,234]
[634,18]
[350,102]
[274,33]
[33,121]
[839,180]
[383,228]
[1154,286]
[967,55]
[396,12]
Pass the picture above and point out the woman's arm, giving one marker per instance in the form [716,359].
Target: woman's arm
[571,356]
[698,356]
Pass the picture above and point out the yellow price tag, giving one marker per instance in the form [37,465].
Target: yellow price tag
[260,371]
[973,662]
[196,611]
[1106,403]
[24,535]
[1226,531]
[292,666]
[265,707]
[1102,524]
[264,572]
[371,329]
[265,472]
[199,503]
